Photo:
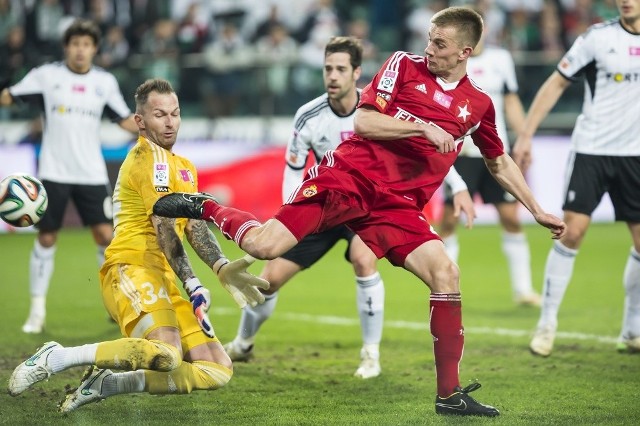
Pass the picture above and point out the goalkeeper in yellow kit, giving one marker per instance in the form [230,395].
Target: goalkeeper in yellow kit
[169,345]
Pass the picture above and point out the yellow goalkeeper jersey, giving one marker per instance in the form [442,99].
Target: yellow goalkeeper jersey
[147,173]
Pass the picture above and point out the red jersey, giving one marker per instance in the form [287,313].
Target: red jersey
[405,89]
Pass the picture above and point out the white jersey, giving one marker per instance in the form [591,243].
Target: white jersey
[317,128]
[494,71]
[609,123]
[72,105]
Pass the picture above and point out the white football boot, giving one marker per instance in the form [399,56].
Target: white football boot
[370,362]
[35,369]
[237,353]
[89,390]
[542,341]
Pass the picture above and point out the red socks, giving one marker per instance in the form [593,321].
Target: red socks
[233,223]
[448,339]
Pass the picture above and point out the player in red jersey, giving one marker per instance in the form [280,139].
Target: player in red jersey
[409,125]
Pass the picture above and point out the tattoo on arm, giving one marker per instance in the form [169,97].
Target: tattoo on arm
[203,241]
[172,247]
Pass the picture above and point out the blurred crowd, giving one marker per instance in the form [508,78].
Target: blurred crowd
[232,57]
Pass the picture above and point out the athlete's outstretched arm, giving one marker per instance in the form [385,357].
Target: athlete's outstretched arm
[509,176]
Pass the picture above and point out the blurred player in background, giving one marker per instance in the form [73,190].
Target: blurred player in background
[492,68]
[73,95]
[408,125]
[167,349]
[605,157]
[319,126]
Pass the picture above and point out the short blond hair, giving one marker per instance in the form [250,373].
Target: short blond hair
[467,23]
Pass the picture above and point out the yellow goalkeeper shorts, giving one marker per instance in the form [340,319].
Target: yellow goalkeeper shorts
[142,299]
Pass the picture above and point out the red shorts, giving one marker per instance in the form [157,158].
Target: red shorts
[390,224]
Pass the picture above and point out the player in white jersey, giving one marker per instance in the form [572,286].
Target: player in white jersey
[605,157]
[492,69]
[319,126]
[73,95]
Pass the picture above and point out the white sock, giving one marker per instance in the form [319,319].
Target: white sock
[121,383]
[452,247]
[40,269]
[557,274]
[370,302]
[252,318]
[100,255]
[631,281]
[516,249]
[63,358]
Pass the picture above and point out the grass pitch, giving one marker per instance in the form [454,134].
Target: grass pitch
[307,353]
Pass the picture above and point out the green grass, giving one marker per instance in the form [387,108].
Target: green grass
[302,373]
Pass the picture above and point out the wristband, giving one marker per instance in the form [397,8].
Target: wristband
[192,284]
[218,264]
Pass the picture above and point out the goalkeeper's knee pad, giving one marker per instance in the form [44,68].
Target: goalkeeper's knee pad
[134,354]
[199,375]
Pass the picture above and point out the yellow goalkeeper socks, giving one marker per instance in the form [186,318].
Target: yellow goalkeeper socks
[199,375]
[133,354]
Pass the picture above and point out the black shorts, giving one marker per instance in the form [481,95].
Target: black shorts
[590,176]
[480,181]
[93,203]
[312,247]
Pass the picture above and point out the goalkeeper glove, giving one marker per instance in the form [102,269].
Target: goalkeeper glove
[200,299]
[242,285]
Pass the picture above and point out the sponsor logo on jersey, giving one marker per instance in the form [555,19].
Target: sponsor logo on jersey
[346,134]
[78,88]
[162,189]
[404,115]
[442,98]
[619,77]
[187,176]
[74,110]
[388,81]
[564,63]
[380,101]
[422,88]
[310,191]
[160,174]
[634,51]
[385,96]
[464,111]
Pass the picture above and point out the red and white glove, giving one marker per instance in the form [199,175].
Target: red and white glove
[200,299]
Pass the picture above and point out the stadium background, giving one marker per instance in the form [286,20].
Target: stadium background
[243,67]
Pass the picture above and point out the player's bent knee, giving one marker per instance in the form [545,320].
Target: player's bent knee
[212,375]
[163,356]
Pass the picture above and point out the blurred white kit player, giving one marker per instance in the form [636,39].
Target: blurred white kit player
[492,69]
[73,95]
[605,157]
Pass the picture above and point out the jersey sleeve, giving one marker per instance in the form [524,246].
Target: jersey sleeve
[298,148]
[30,88]
[384,86]
[486,135]
[581,53]
[116,108]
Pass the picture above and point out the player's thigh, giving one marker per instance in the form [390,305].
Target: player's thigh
[508,215]
[394,228]
[58,195]
[278,272]
[625,188]
[138,298]
[93,203]
[432,265]
[312,247]
[362,257]
[587,182]
[191,334]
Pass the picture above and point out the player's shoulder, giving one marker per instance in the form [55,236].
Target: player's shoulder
[600,28]
[477,91]
[311,109]
[49,67]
